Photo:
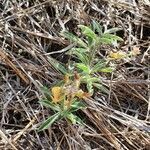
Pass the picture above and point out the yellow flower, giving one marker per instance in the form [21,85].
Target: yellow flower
[68,91]
[57,94]
[117,55]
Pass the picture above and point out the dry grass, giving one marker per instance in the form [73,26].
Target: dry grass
[31,43]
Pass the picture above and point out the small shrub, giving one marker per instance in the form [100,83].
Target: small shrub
[66,98]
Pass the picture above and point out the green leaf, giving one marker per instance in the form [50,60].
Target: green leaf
[83,67]
[74,119]
[101,88]
[79,50]
[88,32]
[112,30]
[49,121]
[106,70]
[61,68]
[71,67]
[73,38]
[96,27]
[105,40]
[46,92]
[80,54]
[57,65]
[76,106]
[82,57]
[90,87]
[49,104]
[112,37]
[89,78]
[101,64]
[89,81]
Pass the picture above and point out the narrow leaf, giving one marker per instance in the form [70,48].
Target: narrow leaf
[101,88]
[82,57]
[98,66]
[80,50]
[89,78]
[49,121]
[97,27]
[112,30]
[83,67]
[73,38]
[112,37]
[104,40]
[88,32]
[106,70]
[49,104]
[76,106]
[57,65]
[74,119]
[46,92]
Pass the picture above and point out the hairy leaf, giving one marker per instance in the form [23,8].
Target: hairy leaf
[112,30]
[96,27]
[76,106]
[48,103]
[74,119]
[74,38]
[101,64]
[112,37]
[106,70]
[83,67]
[88,32]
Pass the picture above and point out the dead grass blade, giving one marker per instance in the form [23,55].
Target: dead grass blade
[5,57]
[5,139]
